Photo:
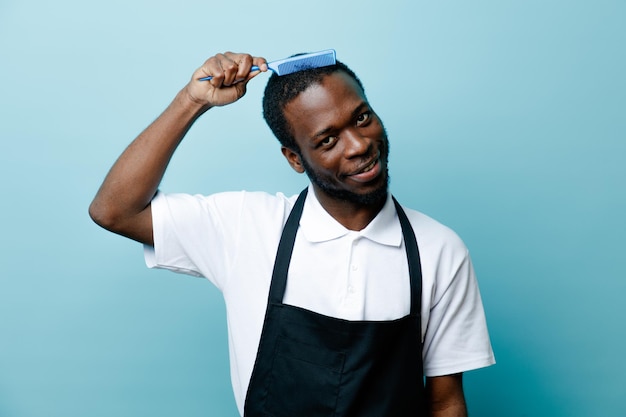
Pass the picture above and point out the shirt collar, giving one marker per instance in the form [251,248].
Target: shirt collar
[318,226]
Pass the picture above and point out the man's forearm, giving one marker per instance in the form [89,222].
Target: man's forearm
[134,178]
[444,396]
[459,410]
[140,169]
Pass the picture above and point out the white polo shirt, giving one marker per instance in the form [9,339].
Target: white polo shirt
[232,238]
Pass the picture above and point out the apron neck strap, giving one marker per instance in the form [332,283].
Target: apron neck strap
[285,248]
[413,256]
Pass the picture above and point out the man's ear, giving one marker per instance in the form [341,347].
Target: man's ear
[293,158]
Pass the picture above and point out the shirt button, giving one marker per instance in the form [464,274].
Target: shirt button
[354,267]
[350,289]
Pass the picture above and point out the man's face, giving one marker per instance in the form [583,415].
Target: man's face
[343,144]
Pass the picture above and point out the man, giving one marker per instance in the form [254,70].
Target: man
[339,301]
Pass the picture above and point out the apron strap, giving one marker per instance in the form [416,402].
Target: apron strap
[412,254]
[285,248]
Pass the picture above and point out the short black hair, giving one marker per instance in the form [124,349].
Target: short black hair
[280,90]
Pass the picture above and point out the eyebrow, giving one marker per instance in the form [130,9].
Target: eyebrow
[358,109]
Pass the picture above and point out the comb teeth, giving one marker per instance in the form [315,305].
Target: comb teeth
[307,61]
[305,64]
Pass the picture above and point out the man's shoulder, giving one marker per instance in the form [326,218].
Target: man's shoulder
[254,206]
[254,200]
[432,232]
[228,198]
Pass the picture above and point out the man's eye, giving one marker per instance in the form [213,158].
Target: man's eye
[363,118]
[327,141]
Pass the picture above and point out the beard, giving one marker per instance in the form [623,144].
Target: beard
[371,198]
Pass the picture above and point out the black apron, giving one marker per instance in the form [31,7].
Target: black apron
[311,365]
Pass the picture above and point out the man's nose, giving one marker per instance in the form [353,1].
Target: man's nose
[356,144]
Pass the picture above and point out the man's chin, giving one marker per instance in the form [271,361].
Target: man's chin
[377,194]
[373,197]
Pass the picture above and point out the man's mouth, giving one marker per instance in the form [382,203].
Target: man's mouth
[368,172]
[369,167]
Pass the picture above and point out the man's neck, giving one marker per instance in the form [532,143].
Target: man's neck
[351,215]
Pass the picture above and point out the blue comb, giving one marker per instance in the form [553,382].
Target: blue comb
[297,63]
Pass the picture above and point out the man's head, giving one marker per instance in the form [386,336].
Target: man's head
[328,130]
[280,90]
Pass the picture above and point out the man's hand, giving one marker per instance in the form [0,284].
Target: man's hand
[230,72]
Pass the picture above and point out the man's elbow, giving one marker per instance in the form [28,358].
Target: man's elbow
[133,225]
[104,216]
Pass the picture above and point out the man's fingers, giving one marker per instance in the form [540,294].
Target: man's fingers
[230,68]
[242,65]
[229,72]
[261,63]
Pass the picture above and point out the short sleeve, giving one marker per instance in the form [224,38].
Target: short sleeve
[457,338]
[193,234]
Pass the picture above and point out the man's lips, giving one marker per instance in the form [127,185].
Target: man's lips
[367,172]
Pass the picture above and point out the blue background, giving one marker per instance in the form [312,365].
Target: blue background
[507,122]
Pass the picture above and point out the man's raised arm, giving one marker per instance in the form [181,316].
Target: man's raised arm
[122,204]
